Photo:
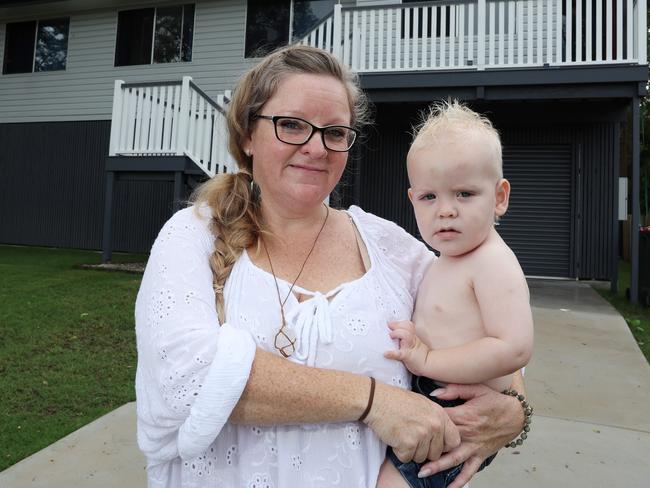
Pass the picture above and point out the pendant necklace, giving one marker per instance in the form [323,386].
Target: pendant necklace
[285,344]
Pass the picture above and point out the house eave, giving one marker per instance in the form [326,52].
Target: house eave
[578,82]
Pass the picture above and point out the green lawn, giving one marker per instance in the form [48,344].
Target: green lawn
[636,316]
[67,345]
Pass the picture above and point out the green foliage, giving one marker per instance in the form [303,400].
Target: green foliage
[67,345]
[636,315]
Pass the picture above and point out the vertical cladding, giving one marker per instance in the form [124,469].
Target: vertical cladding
[52,190]
[594,194]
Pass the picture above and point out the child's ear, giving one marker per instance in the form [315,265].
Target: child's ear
[502,194]
[410,194]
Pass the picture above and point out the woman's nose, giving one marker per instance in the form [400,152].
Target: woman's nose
[314,146]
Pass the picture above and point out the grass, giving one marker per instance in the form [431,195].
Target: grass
[637,316]
[67,345]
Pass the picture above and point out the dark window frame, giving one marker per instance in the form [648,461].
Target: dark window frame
[182,58]
[261,51]
[37,24]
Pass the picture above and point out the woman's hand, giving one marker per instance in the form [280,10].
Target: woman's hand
[486,422]
[414,426]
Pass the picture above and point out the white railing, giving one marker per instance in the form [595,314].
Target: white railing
[485,34]
[171,119]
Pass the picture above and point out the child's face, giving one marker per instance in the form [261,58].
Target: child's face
[456,191]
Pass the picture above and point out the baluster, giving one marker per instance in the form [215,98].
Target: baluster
[166,142]
[470,34]
[578,36]
[435,44]
[619,30]
[443,35]
[346,38]
[363,38]
[373,29]
[154,142]
[531,32]
[540,33]
[609,33]
[511,33]
[629,26]
[599,31]
[452,36]
[502,33]
[207,130]
[389,39]
[425,37]
[492,33]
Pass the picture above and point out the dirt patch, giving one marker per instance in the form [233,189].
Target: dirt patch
[127,267]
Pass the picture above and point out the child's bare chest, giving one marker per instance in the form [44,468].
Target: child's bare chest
[446,311]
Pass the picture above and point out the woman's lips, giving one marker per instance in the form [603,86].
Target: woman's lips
[307,168]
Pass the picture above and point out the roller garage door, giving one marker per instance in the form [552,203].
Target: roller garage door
[538,224]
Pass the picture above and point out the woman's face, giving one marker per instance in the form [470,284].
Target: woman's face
[295,179]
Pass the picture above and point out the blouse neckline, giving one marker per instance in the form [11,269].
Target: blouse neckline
[334,291]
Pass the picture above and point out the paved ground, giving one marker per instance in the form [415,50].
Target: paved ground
[588,382]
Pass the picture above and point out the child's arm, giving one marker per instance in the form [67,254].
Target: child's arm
[502,295]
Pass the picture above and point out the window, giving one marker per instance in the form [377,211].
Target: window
[270,24]
[154,35]
[36,46]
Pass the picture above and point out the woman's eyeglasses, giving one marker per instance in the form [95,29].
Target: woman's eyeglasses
[296,131]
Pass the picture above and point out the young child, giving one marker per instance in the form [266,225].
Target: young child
[472,321]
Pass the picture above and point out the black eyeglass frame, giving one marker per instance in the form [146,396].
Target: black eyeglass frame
[275,118]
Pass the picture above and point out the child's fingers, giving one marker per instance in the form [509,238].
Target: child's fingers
[404,336]
[401,324]
[397,355]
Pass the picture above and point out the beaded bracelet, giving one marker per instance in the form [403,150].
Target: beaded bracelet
[528,413]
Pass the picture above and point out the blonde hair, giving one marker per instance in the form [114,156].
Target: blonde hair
[453,118]
[235,204]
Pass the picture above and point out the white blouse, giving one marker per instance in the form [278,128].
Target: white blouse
[192,371]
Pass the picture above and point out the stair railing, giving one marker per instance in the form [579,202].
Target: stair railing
[171,118]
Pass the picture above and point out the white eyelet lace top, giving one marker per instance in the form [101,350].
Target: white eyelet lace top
[192,371]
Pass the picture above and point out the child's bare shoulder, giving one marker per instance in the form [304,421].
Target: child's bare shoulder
[496,261]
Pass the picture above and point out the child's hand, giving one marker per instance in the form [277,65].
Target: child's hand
[412,351]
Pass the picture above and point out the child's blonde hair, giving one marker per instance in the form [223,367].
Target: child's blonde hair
[455,119]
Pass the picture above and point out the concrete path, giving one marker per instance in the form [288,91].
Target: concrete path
[588,382]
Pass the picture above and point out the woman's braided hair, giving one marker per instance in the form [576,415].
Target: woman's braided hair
[233,199]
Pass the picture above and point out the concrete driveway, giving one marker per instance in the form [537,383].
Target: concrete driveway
[588,382]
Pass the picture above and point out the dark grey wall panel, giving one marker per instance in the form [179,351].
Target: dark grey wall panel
[381,180]
[52,189]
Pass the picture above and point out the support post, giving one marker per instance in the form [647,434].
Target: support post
[642,30]
[634,238]
[116,118]
[178,190]
[183,117]
[107,251]
[613,283]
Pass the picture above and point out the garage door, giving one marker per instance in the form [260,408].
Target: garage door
[538,223]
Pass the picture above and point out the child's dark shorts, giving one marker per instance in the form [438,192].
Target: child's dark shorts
[410,470]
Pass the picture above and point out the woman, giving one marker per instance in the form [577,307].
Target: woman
[262,313]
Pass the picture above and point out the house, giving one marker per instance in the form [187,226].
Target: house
[558,78]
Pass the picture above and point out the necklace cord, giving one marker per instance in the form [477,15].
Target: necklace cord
[281,333]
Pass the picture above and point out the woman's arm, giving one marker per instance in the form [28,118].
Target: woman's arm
[281,392]
[487,422]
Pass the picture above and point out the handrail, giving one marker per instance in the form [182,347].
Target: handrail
[408,5]
[171,118]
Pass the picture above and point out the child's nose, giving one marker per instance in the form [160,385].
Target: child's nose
[447,210]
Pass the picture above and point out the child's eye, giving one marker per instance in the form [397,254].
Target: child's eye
[463,194]
[428,196]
